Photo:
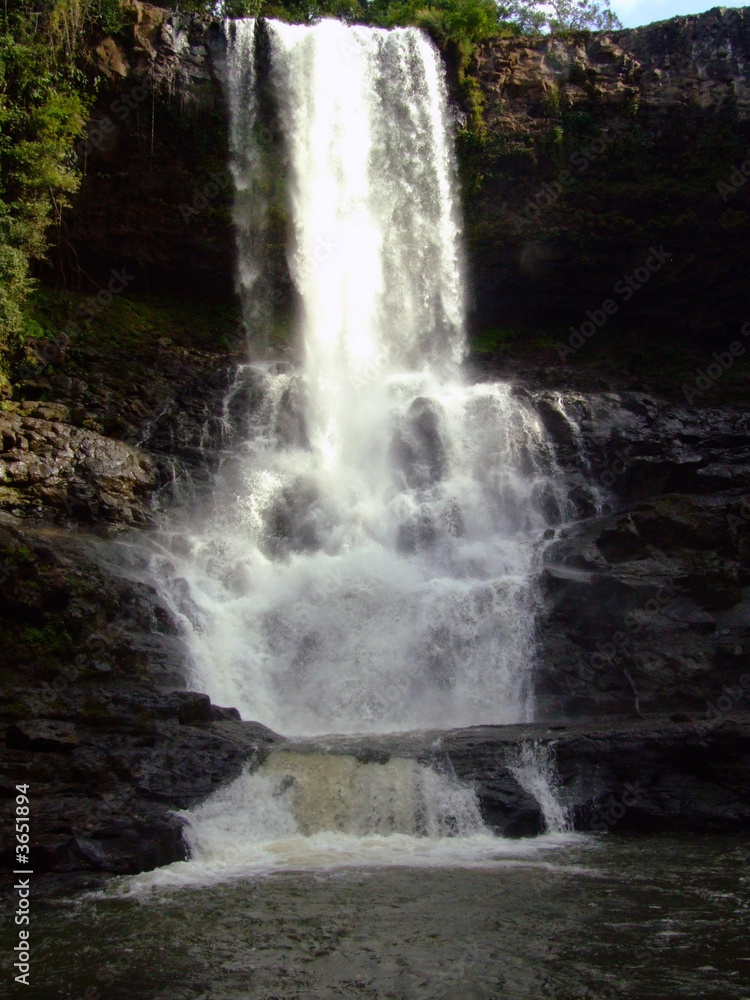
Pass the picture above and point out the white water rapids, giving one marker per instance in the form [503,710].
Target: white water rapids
[366,563]
[367,560]
[321,811]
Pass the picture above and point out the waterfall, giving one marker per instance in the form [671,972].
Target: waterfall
[320,811]
[533,767]
[367,559]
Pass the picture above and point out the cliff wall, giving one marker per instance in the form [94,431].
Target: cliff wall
[596,150]
[156,193]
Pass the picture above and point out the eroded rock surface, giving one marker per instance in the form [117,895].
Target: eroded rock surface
[647,601]
[610,775]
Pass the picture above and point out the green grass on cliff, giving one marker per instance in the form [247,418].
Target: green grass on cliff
[132,322]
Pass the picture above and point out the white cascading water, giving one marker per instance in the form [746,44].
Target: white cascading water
[321,811]
[533,767]
[367,560]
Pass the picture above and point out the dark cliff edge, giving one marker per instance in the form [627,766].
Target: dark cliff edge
[645,604]
[612,169]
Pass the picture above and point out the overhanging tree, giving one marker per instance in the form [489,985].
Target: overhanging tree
[560,15]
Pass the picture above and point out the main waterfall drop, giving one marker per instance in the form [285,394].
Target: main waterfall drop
[366,562]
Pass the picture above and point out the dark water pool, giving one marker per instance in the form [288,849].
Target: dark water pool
[647,919]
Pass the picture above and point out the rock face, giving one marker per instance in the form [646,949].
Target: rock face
[614,776]
[41,734]
[646,596]
[104,434]
[685,61]
[156,191]
[597,148]
[50,464]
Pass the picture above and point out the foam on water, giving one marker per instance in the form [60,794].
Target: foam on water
[323,811]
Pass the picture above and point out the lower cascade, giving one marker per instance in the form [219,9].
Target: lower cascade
[316,810]
[533,767]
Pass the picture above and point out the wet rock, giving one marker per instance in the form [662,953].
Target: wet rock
[110,807]
[42,735]
[197,708]
[632,446]
[418,451]
[613,775]
[55,467]
[644,610]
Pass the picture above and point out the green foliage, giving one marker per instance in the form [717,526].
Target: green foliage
[449,20]
[45,640]
[133,323]
[308,11]
[293,11]
[108,15]
[242,8]
[43,110]
[459,24]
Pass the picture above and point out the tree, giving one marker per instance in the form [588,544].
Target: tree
[42,112]
[460,23]
[533,16]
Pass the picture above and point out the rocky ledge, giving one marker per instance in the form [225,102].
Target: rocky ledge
[106,780]
[609,774]
[105,790]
